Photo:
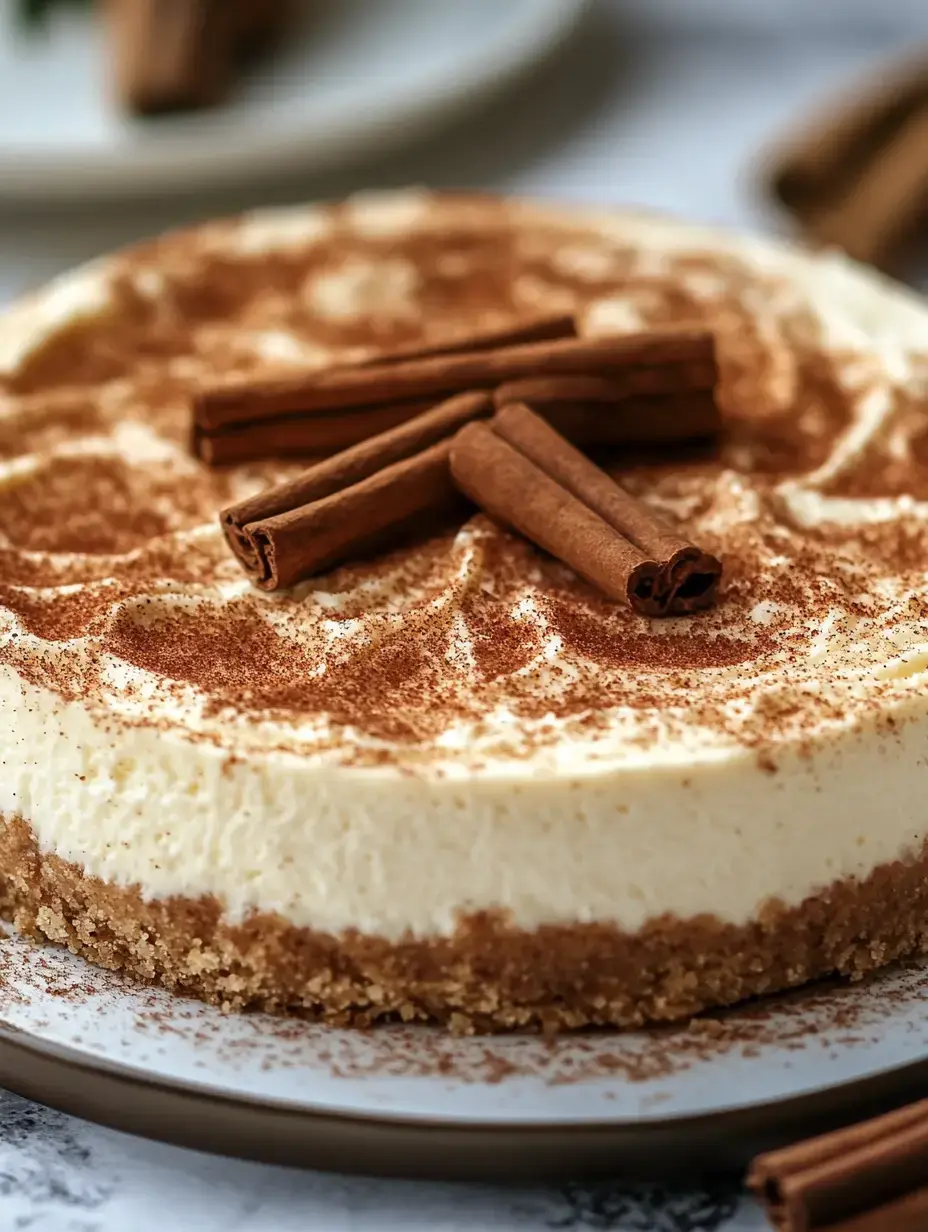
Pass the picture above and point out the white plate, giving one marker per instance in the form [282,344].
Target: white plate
[356,76]
[747,1060]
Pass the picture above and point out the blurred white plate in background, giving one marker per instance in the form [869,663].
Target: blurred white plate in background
[356,77]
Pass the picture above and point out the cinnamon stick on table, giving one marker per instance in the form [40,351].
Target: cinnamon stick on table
[871,1177]
[525,474]
[660,363]
[813,168]
[171,54]
[362,498]
[887,204]
[857,176]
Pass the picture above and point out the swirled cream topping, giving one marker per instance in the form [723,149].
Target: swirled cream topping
[465,694]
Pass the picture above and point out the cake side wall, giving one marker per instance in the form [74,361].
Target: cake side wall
[488,975]
[391,853]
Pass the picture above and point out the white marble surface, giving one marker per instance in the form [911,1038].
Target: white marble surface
[58,1174]
[657,103]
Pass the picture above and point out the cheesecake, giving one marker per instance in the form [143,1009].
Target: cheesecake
[453,781]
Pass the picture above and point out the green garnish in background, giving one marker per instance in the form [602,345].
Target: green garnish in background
[32,13]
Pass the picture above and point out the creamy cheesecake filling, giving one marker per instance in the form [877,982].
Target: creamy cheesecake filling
[487,975]
[334,849]
[464,726]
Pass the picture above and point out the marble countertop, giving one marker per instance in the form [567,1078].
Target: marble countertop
[649,105]
[59,1174]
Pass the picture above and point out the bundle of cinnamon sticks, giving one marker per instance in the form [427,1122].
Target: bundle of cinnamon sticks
[871,1177]
[855,176]
[169,55]
[492,420]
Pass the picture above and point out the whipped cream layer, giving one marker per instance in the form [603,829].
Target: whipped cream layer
[464,725]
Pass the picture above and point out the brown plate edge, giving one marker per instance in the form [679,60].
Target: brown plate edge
[675,1148]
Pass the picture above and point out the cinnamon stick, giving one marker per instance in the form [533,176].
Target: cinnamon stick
[661,419]
[360,519]
[592,411]
[352,502]
[659,362]
[908,1214]
[171,54]
[815,167]
[298,436]
[686,578]
[884,208]
[871,1177]
[535,329]
[525,474]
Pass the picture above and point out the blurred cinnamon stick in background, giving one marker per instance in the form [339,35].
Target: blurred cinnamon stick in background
[885,209]
[260,24]
[855,176]
[171,55]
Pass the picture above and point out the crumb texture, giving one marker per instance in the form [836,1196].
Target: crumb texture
[463,725]
[487,976]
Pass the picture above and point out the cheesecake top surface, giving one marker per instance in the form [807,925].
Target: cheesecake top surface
[471,650]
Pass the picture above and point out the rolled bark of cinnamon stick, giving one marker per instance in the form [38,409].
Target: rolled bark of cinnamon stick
[296,437]
[594,411]
[544,328]
[657,419]
[869,1177]
[290,531]
[686,577]
[884,209]
[658,362]
[511,489]
[356,520]
[813,168]
[521,472]
[171,54]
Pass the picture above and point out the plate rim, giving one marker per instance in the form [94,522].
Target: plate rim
[135,1075]
[182,161]
[374,1144]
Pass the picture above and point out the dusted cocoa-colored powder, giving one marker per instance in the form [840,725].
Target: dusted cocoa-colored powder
[114,577]
[108,533]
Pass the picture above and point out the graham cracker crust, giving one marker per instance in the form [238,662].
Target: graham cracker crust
[487,976]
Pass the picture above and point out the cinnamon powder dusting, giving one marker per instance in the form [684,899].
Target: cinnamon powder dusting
[467,643]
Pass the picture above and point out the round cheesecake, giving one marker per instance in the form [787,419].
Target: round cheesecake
[453,781]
